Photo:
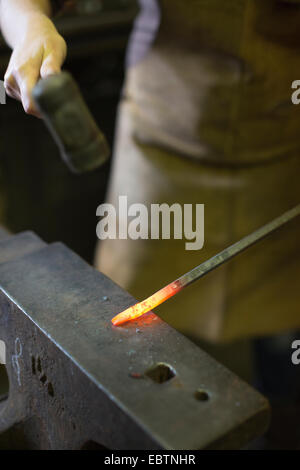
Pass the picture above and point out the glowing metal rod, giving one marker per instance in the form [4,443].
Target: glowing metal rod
[164,294]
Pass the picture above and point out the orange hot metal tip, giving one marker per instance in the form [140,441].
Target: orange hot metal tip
[136,310]
[130,314]
[147,305]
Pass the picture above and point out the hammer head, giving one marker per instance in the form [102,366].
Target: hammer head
[82,145]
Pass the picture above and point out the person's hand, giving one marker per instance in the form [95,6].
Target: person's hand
[40,52]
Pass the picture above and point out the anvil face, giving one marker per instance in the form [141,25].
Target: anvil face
[76,379]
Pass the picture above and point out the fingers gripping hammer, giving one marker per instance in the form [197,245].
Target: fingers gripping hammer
[82,145]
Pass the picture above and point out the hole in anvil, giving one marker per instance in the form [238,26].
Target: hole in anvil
[160,373]
[201,395]
[43,379]
[4,381]
[50,389]
[39,365]
[33,365]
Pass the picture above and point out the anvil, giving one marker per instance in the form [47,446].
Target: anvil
[78,382]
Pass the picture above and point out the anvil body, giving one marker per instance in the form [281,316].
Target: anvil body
[78,382]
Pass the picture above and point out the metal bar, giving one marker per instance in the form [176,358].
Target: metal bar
[189,278]
[237,248]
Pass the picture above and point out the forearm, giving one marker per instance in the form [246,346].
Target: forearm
[14,16]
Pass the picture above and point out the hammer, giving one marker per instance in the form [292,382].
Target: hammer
[82,145]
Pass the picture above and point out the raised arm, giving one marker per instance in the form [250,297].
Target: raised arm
[38,49]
